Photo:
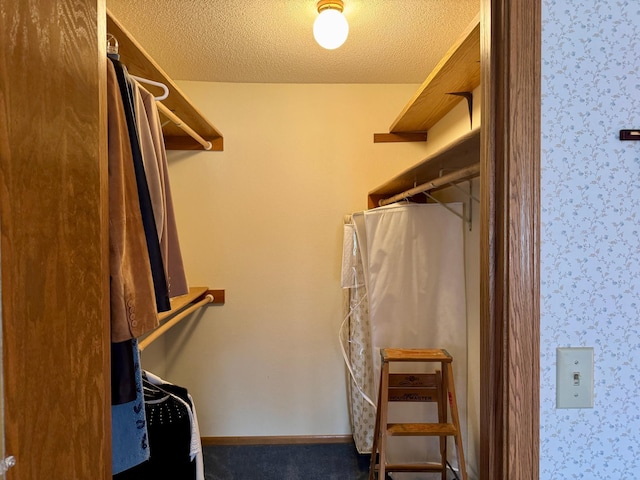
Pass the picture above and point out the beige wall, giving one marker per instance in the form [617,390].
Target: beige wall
[263,220]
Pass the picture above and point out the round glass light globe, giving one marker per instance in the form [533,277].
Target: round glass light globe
[330,29]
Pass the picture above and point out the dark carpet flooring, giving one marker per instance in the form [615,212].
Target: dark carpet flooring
[334,461]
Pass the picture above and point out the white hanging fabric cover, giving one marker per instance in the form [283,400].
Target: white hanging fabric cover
[413,268]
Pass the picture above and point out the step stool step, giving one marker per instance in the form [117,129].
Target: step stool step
[421,429]
[415,355]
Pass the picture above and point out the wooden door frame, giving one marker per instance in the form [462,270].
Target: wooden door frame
[510,247]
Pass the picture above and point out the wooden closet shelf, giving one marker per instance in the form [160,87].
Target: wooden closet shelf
[458,71]
[138,62]
[457,155]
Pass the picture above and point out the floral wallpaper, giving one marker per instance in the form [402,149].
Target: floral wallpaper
[590,253]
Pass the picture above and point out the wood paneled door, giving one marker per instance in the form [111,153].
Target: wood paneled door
[54,249]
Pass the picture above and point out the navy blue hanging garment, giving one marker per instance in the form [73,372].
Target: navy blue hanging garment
[148,220]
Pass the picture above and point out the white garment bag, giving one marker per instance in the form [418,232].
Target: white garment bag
[413,261]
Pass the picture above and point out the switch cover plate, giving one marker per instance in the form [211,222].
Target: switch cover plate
[574,377]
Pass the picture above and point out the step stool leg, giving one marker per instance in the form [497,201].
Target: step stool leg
[382,407]
[453,405]
[376,438]
[442,418]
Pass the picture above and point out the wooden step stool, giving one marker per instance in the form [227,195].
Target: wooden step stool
[416,387]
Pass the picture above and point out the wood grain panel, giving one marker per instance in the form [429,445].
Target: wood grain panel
[53,221]
[510,274]
[460,153]
[458,71]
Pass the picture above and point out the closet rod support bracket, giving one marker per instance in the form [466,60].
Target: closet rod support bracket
[218,296]
[464,219]
[469,194]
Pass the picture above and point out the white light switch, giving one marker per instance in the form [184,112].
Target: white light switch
[574,377]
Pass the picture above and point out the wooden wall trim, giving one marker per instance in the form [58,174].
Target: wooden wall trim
[278,440]
[54,239]
[510,261]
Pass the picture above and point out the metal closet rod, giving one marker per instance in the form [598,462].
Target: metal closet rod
[457,176]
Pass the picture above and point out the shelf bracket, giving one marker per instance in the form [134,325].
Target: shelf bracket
[469,97]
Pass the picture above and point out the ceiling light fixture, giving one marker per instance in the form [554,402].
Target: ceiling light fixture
[330,28]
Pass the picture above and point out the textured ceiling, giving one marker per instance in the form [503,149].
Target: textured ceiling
[271,41]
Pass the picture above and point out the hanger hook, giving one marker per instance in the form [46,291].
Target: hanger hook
[112,44]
